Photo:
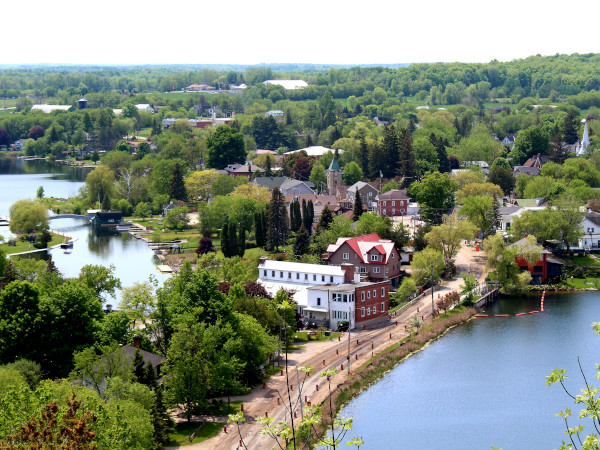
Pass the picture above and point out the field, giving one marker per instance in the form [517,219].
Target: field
[584,283]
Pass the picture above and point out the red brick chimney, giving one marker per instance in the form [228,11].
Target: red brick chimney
[348,272]
[262,260]
[137,341]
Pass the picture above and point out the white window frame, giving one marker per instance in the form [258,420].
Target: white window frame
[362,296]
[393,203]
[368,294]
[374,310]
[382,307]
[345,255]
[374,293]
[374,257]
[376,269]
[382,292]
[318,301]
[362,312]
[369,311]
[363,269]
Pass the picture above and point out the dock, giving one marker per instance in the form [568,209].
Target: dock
[163,268]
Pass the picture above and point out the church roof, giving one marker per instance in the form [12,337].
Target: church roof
[334,166]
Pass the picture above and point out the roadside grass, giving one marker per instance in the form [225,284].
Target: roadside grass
[584,261]
[305,336]
[583,283]
[183,430]
[24,246]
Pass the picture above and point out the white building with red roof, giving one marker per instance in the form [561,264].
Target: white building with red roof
[377,259]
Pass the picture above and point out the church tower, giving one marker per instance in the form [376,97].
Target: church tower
[334,177]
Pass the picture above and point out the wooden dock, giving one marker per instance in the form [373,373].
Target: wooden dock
[489,297]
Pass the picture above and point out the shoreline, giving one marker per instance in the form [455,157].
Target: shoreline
[37,250]
[382,363]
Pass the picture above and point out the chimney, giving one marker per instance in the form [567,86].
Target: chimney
[348,272]
[137,341]
[262,260]
[250,168]
[356,275]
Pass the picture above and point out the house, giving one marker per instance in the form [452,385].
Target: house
[377,259]
[171,205]
[315,150]
[287,185]
[536,161]
[591,229]
[581,146]
[545,270]
[155,360]
[484,166]
[107,219]
[287,84]
[367,193]
[275,113]
[393,203]
[532,171]
[507,214]
[243,170]
[199,87]
[19,144]
[145,107]
[326,295]
[509,140]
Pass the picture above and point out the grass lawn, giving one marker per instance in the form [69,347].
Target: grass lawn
[183,430]
[24,246]
[584,261]
[584,283]
[304,336]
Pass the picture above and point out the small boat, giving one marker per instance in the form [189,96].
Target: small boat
[67,244]
[68,252]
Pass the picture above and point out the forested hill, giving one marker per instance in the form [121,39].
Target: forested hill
[439,83]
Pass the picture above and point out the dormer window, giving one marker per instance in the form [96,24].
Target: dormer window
[374,257]
[345,255]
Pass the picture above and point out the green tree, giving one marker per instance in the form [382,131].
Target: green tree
[27,216]
[570,127]
[95,157]
[40,192]
[435,195]
[408,165]
[278,221]
[358,208]
[372,223]
[532,141]
[352,173]
[503,177]
[479,210]
[96,368]
[390,185]
[425,263]
[447,237]
[390,151]
[177,186]
[101,279]
[325,219]
[317,176]
[177,218]
[568,219]
[302,242]
[99,183]
[225,146]
[19,321]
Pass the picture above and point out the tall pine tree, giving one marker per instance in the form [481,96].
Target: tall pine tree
[302,241]
[408,164]
[390,152]
[570,128]
[232,240]
[225,240]
[177,186]
[358,207]
[364,156]
[325,220]
[278,221]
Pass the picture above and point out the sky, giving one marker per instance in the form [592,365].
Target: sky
[290,31]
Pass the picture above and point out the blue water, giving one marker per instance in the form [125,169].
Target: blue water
[483,383]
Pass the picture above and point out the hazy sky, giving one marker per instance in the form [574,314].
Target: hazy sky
[310,31]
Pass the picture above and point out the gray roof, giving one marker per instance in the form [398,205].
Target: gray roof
[154,359]
[533,171]
[593,217]
[508,210]
[359,185]
[270,182]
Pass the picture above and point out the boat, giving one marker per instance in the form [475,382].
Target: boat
[67,244]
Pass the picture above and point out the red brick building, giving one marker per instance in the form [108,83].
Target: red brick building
[393,203]
[371,302]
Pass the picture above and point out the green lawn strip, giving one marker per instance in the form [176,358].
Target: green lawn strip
[584,261]
[24,246]
[183,430]
[304,336]
[583,283]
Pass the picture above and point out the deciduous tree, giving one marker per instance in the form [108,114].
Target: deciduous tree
[27,216]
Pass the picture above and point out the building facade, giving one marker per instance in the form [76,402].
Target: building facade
[393,203]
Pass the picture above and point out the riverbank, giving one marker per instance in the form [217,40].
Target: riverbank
[24,247]
[383,362]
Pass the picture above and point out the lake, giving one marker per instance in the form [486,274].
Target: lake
[483,383]
[132,258]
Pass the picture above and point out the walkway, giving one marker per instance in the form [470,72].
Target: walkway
[325,355]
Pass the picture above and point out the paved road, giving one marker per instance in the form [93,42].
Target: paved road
[363,344]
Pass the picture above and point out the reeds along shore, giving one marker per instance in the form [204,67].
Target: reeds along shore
[386,361]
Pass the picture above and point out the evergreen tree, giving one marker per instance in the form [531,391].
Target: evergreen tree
[311,213]
[292,218]
[138,367]
[309,140]
[177,186]
[288,117]
[440,147]
[390,152]
[376,161]
[570,128]
[106,203]
[163,424]
[358,207]
[325,220]
[297,216]
[408,164]
[268,170]
[258,230]
[225,240]
[364,156]
[87,122]
[306,220]
[278,221]
[149,376]
[242,242]
[302,241]
[232,240]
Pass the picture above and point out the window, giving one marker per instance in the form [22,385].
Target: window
[305,277]
[265,274]
[368,294]
[383,292]
[384,203]
[392,255]
[345,255]
[352,298]
[370,194]
[385,212]
[362,296]
[314,277]
[374,309]
[297,276]
[382,307]
[289,274]
[345,298]
[362,312]
[374,257]
[403,211]
[322,277]
[318,301]
[376,269]
[280,274]
[363,269]
[331,279]
[273,273]
[393,203]
[374,293]
[393,211]
[368,311]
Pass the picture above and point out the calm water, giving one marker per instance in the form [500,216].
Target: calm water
[483,383]
[132,258]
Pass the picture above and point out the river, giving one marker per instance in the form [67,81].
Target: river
[133,260]
[483,383]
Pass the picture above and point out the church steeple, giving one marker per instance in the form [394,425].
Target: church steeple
[334,177]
